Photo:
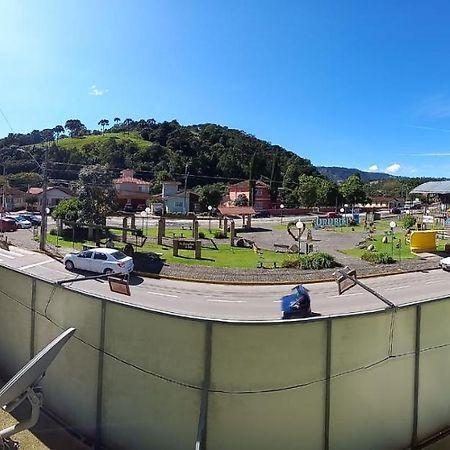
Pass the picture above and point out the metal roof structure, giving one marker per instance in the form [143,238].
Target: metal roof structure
[433,187]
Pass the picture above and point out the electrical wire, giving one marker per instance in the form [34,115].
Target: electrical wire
[6,120]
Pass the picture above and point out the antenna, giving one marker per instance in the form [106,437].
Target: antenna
[24,385]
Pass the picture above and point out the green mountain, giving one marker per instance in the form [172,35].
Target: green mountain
[209,153]
[339,174]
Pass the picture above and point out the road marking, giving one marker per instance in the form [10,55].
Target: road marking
[7,256]
[225,301]
[396,287]
[163,295]
[276,301]
[2,252]
[346,295]
[434,282]
[23,251]
[36,264]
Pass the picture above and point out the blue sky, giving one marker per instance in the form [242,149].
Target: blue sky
[347,83]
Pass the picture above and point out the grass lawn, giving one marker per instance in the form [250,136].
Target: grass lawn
[404,252]
[225,256]
[380,225]
[78,142]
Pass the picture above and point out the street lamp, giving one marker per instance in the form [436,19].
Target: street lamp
[300,226]
[392,224]
[143,214]
[44,209]
[209,211]
[281,216]
[147,211]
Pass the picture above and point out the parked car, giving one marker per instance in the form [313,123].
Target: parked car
[396,211]
[333,215]
[129,207]
[141,207]
[261,214]
[21,223]
[99,260]
[7,225]
[34,219]
[297,304]
[445,263]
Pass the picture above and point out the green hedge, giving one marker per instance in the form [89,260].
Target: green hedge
[409,222]
[219,234]
[318,260]
[378,258]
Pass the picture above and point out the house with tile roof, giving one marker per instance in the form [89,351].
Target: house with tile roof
[12,199]
[131,190]
[262,200]
[176,201]
[54,194]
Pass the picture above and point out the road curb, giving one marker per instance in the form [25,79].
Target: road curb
[253,282]
[271,283]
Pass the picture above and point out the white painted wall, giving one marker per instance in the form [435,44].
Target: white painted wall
[268,385]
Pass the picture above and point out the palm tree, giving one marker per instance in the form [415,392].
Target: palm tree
[58,130]
[127,123]
[103,123]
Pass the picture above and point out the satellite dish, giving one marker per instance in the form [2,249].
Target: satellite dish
[24,384]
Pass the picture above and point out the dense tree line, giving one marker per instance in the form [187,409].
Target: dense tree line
[210,155]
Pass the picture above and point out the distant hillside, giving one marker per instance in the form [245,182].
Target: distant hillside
[339,174]
[206,153]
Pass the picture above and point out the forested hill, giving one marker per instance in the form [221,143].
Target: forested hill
[158,151]
[339,174]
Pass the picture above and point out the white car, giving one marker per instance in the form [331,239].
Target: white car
[21,223]
[100,260]
[445,263]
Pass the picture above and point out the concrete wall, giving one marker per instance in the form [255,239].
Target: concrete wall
[133,378]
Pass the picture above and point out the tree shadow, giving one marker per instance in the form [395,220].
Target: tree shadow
[198,259]
[253,230]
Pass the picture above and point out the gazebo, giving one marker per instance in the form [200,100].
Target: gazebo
[246,212]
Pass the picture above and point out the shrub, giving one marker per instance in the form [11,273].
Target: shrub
[409,222]
[201,235]
[219,234]
[318,260]
[378,258]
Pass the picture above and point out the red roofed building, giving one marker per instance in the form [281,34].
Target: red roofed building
[262,198]
[130,190]
[55,194]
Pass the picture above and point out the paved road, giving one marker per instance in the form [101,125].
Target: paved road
[238,302]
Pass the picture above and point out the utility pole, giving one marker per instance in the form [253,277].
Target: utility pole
[3,191]
[186,174]
[43,237]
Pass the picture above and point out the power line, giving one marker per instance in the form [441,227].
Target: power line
[6,120]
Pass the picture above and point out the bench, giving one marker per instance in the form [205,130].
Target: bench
[262,266]
[281,246]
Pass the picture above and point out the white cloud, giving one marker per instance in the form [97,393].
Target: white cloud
[421,127]
[393,168]
[95,91]
[432,154]
[435,107]
[373,168]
